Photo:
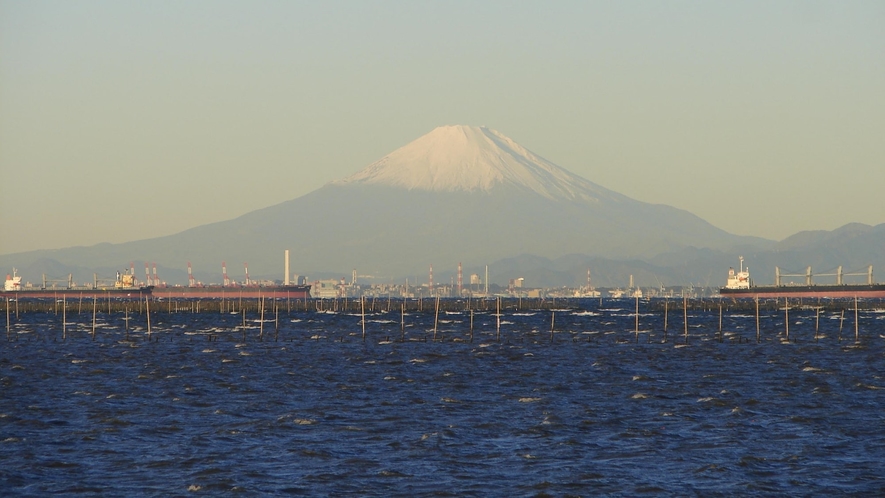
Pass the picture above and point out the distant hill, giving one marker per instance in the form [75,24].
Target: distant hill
[470,195]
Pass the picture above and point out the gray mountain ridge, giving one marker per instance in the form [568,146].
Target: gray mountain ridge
[458,194]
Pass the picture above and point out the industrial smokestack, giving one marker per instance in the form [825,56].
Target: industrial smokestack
[190,276]
[286,280]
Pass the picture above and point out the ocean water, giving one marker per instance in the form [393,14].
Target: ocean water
[310,408]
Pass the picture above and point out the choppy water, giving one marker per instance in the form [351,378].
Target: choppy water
[315,410]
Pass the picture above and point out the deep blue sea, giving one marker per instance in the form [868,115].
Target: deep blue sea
[312,409]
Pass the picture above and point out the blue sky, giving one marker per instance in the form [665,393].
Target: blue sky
[129,120]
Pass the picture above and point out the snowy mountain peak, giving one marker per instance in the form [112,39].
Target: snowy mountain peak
[473,159]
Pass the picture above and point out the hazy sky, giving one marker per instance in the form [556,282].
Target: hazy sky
[129,120]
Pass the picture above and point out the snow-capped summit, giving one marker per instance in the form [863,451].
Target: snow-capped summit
[470,159]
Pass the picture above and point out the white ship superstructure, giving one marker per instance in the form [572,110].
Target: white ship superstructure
[739,279]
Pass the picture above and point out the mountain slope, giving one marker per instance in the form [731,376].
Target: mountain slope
[459,193]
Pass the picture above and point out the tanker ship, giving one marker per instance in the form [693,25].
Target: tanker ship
[740,285]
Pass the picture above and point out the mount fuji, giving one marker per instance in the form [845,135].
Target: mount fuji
[457,194]
[475,159]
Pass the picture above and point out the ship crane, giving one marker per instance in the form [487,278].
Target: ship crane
[838,274]
[868,274]
[225,281]
[809,276]
[147,274]
[103,282]
[54,282]
[246,268]
[191,282]
[778,275]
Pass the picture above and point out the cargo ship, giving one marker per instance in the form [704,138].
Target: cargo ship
[124,287]
[740,285]
[127,287]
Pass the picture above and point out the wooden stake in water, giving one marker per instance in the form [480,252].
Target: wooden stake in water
[64,315]
[841,322]
[80,305]
[276,322]
[436,318]
[126,318]
[244,324]
[147,311]
[856,323]
[816,322]
[261,320]
[7,319]
[758,336]
[637,319]
[787,318]
[402,322]
[498,315]
[720,320]
[553,324]
[666,306]
[363,312]
[94,305]
[685,316]
[471,325]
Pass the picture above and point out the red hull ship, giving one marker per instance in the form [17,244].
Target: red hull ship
[741,286]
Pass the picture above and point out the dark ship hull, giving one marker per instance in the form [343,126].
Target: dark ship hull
[875,291]
[234,292]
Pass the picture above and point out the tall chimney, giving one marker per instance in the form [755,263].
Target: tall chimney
[286,280]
